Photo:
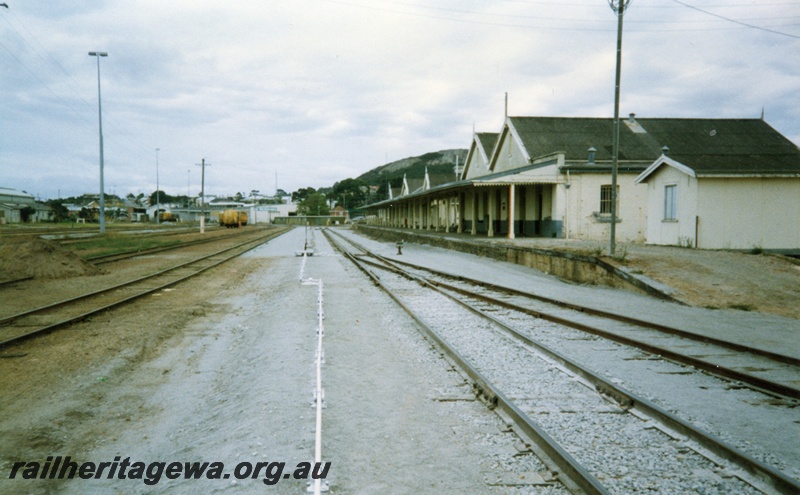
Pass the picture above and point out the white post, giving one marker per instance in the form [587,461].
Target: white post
[511,211]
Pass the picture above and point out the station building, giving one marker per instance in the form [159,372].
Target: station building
[708,183]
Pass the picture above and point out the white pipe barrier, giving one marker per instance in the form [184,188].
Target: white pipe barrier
[319,485]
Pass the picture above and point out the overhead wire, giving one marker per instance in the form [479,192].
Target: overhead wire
[736,21]
[636,25]
[547,18]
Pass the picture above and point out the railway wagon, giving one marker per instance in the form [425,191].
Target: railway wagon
[168,216]
[232,219]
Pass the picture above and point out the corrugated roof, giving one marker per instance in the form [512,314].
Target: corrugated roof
[517,176]
[7,191]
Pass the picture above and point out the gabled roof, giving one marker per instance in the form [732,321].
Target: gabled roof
[708,146]
[664,160]
[699,147]
[486,141]
[480,150]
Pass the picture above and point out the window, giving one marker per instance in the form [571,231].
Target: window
[671,202]
[605,200]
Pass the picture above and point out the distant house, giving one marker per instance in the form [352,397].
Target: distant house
[551,177]
[731,184]
[14,205]
[268,213]
[134,212]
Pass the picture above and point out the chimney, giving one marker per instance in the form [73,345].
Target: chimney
[592,152]
[664,150]
[632,118]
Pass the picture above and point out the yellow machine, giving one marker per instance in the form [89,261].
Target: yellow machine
[233,219]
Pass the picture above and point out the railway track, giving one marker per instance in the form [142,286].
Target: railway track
[764,371]
[66,239]
[77,234]
[111,258]
[38,321]
[599,437]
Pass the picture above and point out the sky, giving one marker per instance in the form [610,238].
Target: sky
[304,93]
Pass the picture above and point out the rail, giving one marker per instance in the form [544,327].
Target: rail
[95,302]
[762,474]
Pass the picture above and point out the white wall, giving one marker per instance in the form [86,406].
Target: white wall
[583,201]
[476,166]
[726,213]
[510,155]
[749,213]
[680,232]
[266,213]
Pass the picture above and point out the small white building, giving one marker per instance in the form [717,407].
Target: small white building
[268,213]
[727,185]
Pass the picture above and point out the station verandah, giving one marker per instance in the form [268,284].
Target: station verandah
[477,208]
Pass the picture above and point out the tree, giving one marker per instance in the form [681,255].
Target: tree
[383,188]
[60,212]
[313,204]
[350,193]
[302,194]
[162,198]
[26,212]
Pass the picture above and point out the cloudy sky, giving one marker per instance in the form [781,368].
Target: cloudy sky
[315,91]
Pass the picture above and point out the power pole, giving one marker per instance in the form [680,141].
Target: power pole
[102,218]
[203,194]
[619,7]
[6,6]
[158,199]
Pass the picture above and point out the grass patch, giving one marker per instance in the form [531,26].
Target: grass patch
[113,244]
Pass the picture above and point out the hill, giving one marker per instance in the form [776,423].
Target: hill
[439,163]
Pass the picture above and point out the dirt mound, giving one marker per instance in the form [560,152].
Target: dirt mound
[40,258]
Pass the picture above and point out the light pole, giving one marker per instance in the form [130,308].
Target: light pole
[619,7]
[100,127]
[158,200]
[202,165]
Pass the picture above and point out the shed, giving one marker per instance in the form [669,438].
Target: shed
[725,184]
